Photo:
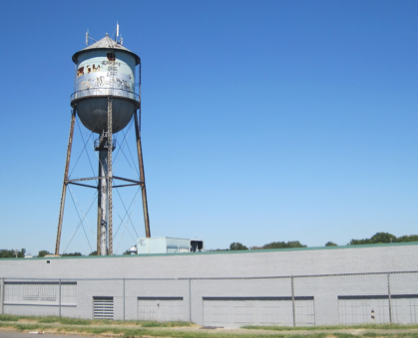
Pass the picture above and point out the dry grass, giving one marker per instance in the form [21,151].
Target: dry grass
[152,329]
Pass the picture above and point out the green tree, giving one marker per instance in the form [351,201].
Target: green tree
[330,244]
[237,246]
[383,237]
[43,253]
[93,253]
[359,241]
[284,245]
[410,238]
[378,237]
[4,253]
[72,254]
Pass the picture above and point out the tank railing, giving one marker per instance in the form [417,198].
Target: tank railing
[105,92]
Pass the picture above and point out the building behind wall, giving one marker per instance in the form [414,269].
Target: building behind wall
[307,286]
[155,245]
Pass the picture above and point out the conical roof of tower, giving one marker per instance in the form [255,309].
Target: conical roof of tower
[106,43]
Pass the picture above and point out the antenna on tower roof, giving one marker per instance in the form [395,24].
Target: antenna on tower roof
[88,37]
[119,38]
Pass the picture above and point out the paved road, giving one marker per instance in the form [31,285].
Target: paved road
[29,335]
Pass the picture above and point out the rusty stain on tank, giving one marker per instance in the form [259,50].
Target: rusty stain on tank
[80,71]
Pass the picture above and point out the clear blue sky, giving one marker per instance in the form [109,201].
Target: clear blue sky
[262,120]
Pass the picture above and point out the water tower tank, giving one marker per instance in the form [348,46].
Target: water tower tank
[105,69]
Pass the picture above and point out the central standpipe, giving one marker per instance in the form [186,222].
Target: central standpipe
[104,204]
[109,171]
[102,201]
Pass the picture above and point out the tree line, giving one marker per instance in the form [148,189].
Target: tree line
[43,253]
[14,253]
[377,238]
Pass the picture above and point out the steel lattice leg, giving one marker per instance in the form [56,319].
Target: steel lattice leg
[64,187]
[110,173]
[142,177]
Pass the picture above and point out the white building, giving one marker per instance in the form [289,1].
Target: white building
[168,245]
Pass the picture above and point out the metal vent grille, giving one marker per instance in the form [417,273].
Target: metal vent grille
[42,293]
[102,307]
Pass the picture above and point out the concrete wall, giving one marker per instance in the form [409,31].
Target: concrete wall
[331,260]
[241,280]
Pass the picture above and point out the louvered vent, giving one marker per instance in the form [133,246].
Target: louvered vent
[103,307]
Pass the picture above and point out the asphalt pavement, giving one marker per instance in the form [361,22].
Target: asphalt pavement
[4,334]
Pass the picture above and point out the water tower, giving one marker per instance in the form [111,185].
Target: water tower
[105,101]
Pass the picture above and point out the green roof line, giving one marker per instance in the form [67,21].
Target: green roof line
[358,246]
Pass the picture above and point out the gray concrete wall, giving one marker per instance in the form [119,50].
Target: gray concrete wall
[334,260]
[240,274]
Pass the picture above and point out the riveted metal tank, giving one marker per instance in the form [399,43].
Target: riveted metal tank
[105,69]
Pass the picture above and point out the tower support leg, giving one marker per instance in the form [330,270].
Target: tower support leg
[64,186]
[142,175]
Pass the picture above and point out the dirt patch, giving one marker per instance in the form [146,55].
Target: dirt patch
[111,334]
[27,321]
[7,329]
[70,333]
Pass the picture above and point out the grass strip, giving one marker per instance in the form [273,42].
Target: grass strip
[78,321]
[150,329]
[140,332]
[63,320]
[163,324]
[331,328]
[8,318]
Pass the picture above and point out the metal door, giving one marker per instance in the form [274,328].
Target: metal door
[161,309]
[236,313]
[243,311]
